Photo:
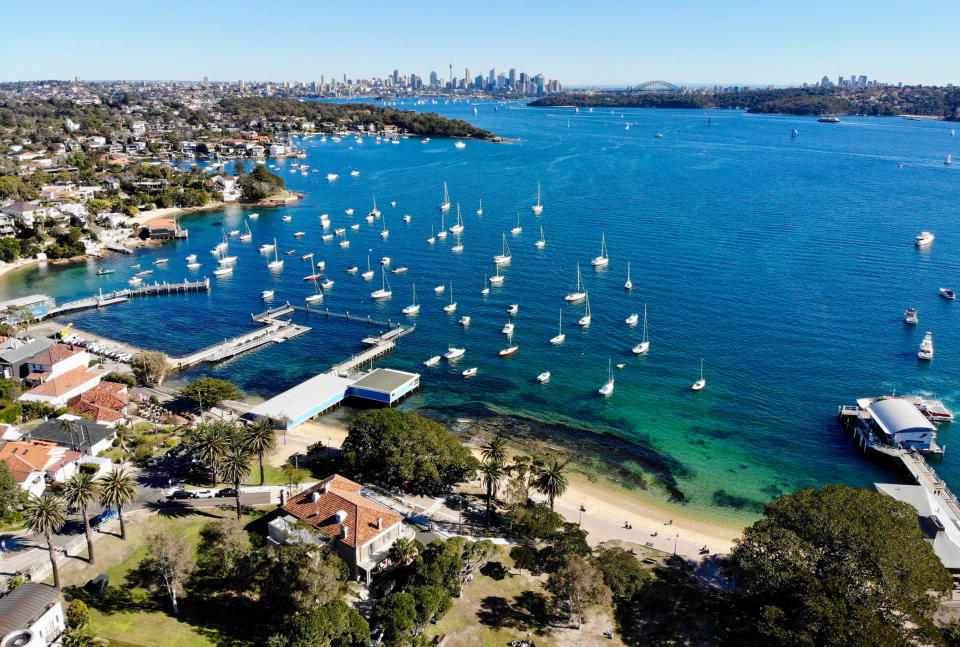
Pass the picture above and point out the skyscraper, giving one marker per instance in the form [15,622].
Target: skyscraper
[451,74]
[512,77]
[467,78]
[396,77]
[434,80]
[492,79]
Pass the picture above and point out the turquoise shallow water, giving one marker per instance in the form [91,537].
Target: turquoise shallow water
[785,263]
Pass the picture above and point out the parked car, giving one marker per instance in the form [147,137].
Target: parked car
[182,494]
[227,491]
[106,515]
[204,494]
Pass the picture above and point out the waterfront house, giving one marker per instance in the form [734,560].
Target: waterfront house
[336,511]
[6,225]
[27,213]
[87,437]
[34,463]
[164,228]
[227,185]
[31,615]
[15,353]
[57,391]
[54,361]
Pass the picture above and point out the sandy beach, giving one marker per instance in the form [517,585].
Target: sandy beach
[606,506]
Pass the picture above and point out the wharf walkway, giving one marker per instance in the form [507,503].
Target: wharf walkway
[378,346]
[326,312]
[911,461]
[122,296]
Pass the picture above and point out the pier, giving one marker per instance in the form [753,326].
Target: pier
[911,461]
[378,346]
[122,296]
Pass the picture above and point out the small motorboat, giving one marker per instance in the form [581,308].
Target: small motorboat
[349,212]
[470,372]
[191,258]
[910,316]
[513,308]
[433,360]
[510,350]
[354,173]
[254,216]
[266,294]
[299,234]
[947,293]
[144,273]
[193,266]
[406,218]
[332,176]
[104,270]
[355,226]
[286,218]
[924,238]
[926,347]
[344,243]
[223,271]
[326,285]
[399,270]
[465,320]
[633,319]
[439,289]
[508,328]
[234,232]
[326,237]
[454,353]
[353,269]
[161,261]
[385,261]
[135,281]
[543,377]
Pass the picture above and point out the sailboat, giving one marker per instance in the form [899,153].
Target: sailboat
[504,257]
[486,289]
[537,208]
[457,228]
[369,273]
[497,278]
[314,274]
[580,292]
[629,284]
[949,160]
[644,345]
[699,384]
[276,263]
[317,294]
[384,292]
[385,232]
[452,306]
[246,236]
[374,212]
[560,334]
[540,244]
[443,232]
[585,319]
[414,307]
[445,205]
[223,244]
[480,210]
[432,238]
[516,230]
[607,388]
[458,247]
[602,259]
[223,259]
[508,328]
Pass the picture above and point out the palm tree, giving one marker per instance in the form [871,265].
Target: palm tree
[403,551]
[43,515]
[551,480]
[261,437]
[236,467]
[213,443]
[79,491]
[117,489]
[69,427]
[491,472]
[495,450]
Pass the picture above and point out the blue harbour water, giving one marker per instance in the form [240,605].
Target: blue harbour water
[785,263]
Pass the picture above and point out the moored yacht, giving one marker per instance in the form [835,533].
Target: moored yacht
[910,316]
[924,238]
[947,293]
[926,347]
[603,259]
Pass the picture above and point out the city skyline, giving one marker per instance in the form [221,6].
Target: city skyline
[606,44]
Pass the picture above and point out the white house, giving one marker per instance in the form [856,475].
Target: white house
[26,212]
[57,391]
[229,188]
[33,462]
[276,150]
[31,615]
[55,361]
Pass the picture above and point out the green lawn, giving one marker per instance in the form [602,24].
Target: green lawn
[128,612]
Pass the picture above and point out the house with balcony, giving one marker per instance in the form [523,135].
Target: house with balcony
[54,361]
[59,390]
[26,213]
[336,512]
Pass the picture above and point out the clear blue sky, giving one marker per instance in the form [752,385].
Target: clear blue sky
[578,42]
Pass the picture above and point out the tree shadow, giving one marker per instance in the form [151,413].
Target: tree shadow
[529,611]
[495,570]
[179,510]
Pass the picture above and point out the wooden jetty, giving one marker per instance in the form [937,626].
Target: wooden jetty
[378,346]
[122,296]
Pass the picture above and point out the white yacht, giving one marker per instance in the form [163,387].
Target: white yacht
[223,271]
[374,212]
[246,236]
[465,320]
[445,205]
[560,334]
[497,278]
[486,288]
[440,289]
[699,384]
[504,256]
[480,210]
[266,294]
[537,208]
[644,344]
[384,292]
[267,247]
[432,361]
[442,234]
[603,259]
[585,319]
[518,229]
[924,238]
[459,145]
[454,353]
[191,258]
[385,261]
[414,307]
[508,328]
[544,377]
[633,319]
[513,308]
[349,211]
[276,263]
[628,285]
[452,306]
[540,244]
[580,292]
[433,237]
[354,173]
[910,316]
[193,266]
[458,247]
[926,347]
[607,388]
[332,176]
[458,227]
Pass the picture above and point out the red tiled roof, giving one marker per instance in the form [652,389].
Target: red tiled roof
[56,353]
[337,493]
[35,453]
[162,223]
[105,402]
[65,382]
[20,468]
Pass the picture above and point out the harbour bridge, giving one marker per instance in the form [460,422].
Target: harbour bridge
[653,86]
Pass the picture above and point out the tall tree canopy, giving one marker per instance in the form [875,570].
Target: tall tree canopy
[837,567]
[398,448]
